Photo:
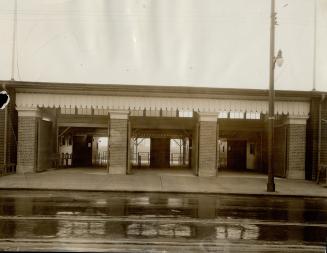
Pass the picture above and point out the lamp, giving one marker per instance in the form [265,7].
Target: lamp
[279,60]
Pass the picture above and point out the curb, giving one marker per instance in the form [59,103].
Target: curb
[274,195]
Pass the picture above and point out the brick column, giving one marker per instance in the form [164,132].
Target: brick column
[207,144]
[118,141]
[295,148]
[27,139]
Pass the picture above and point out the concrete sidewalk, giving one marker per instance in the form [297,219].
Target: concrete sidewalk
[183,182]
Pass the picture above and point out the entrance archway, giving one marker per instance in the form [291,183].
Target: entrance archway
[157,149]
[160,153]
[83,147]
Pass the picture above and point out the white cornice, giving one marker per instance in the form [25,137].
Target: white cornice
[298,120]
[156,103]
[28,112]
[208,116]
[119,114]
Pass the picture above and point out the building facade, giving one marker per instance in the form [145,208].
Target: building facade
[124,128]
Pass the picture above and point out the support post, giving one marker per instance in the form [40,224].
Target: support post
[271,183]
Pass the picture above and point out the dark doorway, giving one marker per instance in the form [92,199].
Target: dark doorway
[236,155]
[159,152]
[82,151]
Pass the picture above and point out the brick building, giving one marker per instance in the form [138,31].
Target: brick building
[123,128]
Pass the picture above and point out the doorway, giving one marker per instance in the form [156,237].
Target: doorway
[236,155]
[160,153]
[82,151]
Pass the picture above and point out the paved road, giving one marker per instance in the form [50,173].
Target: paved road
[145,222]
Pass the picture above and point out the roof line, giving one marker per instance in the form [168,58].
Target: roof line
[155,90]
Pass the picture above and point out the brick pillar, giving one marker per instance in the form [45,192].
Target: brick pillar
[118,141]
[207,144]
[27,139]
[312,140]
[296,137]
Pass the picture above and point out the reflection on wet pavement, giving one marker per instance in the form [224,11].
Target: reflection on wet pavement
[174,217]
[296,210]
[232,232]
[159,230]
[146,230]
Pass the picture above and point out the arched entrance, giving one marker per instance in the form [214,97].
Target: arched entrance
[163,145]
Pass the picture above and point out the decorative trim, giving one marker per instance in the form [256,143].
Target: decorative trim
[157,103]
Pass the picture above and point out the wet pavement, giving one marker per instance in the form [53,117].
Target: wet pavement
[160,222]
[164,180]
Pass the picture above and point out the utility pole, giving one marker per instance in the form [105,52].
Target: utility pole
[5,132]
[271,183]
[314,46]
[13,53]
[5,151]
[271,114]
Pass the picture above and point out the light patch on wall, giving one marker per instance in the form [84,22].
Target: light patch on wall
[103,142]
[223,115]
[236,115]
[46,119]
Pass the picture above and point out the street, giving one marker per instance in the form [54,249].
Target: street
[160,222]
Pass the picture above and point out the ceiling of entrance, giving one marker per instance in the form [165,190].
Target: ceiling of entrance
[161,133]
[162,123]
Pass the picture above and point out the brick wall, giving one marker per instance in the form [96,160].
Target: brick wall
[279,150]
[296,136]
[207,148]
[27,145]
[118,146]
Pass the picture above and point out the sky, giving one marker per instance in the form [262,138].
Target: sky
[201,43]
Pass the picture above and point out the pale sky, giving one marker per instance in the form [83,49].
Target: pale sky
[203,43]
